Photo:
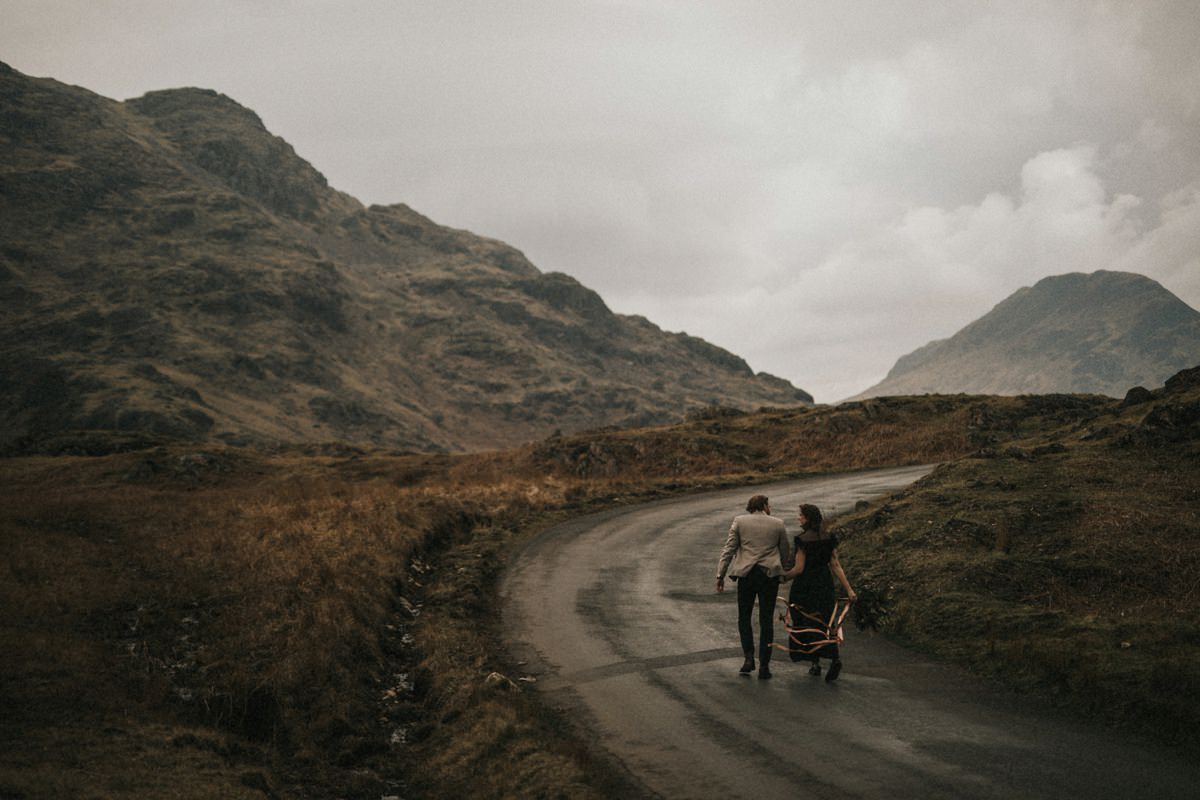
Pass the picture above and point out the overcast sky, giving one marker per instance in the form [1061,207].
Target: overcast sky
[820,187]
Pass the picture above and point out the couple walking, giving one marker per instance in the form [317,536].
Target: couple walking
[757,556]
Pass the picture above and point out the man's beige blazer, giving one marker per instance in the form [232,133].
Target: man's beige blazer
[755,539]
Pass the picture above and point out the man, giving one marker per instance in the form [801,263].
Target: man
[755,556]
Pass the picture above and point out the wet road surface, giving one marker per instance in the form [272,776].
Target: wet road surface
[616,615]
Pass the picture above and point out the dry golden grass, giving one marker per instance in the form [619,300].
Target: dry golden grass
[250,602]
[723,443]
[190,600]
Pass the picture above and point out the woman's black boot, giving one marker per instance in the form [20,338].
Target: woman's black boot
[834,669]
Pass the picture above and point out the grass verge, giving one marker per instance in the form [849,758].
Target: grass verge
[1067,564]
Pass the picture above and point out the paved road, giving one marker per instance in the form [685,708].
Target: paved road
[616,615]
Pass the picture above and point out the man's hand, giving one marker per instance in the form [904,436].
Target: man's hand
[720,585]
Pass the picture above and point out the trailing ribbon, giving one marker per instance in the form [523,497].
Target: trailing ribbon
[830,630]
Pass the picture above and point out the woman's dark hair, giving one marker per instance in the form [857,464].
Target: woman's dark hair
[757,503]
[812,518]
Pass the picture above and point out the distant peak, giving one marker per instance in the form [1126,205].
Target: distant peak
[1100,277]
[1098,332]
[230,141]
[166,102]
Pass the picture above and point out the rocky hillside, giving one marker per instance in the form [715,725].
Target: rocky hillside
[1099,333]
[169,268]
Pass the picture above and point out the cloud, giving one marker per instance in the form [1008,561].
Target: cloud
[838,327]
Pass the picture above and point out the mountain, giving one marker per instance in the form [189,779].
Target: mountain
[1097,333]
[169,268]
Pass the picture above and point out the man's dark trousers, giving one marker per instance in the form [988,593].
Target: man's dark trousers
[757,586]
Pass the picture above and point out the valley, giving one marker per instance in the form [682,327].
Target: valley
[325,621]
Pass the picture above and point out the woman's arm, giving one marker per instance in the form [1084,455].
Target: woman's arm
[799,565]
[836,565]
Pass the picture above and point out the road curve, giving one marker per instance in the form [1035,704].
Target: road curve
[616,616]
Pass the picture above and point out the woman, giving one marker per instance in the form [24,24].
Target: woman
[811,627]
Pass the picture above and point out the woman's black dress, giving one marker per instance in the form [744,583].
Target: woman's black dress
[812,600]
